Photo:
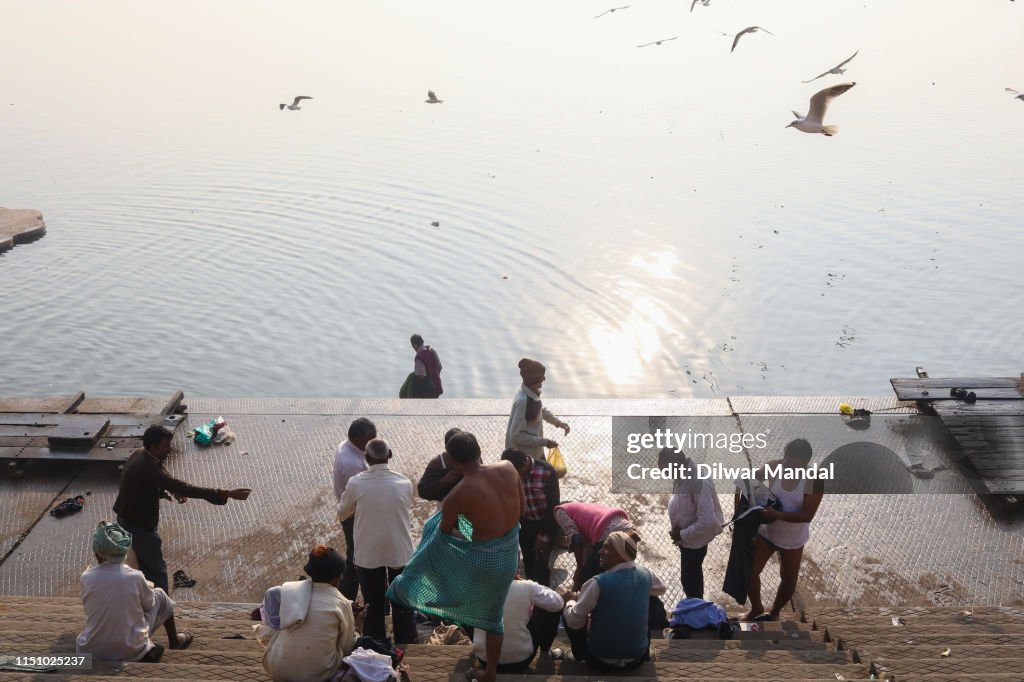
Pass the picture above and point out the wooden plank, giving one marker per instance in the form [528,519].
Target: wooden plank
[173,403]
[954,382]
[988,408]
[78,433]
[73,403]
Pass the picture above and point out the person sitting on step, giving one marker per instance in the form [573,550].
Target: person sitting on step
[122,608]
[607,621]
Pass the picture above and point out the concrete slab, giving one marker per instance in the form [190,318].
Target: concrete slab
[20,226]
[875,550]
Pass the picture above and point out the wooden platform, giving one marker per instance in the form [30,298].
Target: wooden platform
[76,428]
[990,430]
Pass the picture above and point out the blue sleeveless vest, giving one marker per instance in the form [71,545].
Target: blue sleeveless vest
[618,624]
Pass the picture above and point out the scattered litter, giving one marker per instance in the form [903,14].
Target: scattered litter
[946,653]
[436,223]
[181,579]
[235,636]
[839,676]
[205,433]
[69,506]
[896,620]
[244,453]
[967,613]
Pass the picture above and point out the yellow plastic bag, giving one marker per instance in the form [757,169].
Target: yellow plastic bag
[556,460]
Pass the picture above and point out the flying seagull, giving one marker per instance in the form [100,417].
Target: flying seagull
[294,106]
[658,42]
[432,98]
[813,122]
[706,3]
[613,9]
[748,29]
[837,70]
[1017,94]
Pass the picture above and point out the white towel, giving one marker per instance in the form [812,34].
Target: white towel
[295,600]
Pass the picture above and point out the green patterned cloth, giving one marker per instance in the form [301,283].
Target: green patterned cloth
[459,580]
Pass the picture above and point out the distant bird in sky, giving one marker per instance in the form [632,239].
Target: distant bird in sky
[294,106]
[432,98]
[748,29]
[658,42]
[706,3]
[1017,94]
[813,122]
[613,9]
[837,70]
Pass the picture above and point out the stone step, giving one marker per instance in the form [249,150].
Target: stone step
[739,656]
[634,676]
[866,654]
[917,613]
[939,640]
[45,640]
[953,629]
[938,665]
[42,604]
[744,644]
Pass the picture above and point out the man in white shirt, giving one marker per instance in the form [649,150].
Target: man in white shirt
[696,518]
[531,616]
[122,609]
[349,460]
[607,621]
[380,500]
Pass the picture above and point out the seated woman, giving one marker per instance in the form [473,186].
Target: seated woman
[788,532]
[531,622]
[307,627]
[122,608]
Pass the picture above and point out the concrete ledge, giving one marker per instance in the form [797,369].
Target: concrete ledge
[20,226]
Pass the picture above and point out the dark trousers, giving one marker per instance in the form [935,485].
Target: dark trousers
[149,551]
[536,567]
[349,583]
[374,582]
[691,570]
[543,627]
[592,566]
[581,652]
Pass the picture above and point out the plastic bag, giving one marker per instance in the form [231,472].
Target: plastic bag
[556,460]
[205,433]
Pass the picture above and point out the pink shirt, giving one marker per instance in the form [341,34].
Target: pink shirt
[591,518]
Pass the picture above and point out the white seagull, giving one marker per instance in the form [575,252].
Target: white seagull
[613,9]
[1017,94]
[813,122]
[432,98]
[748,29]
[658,42]
[706,3]
[837,70]
[294,106]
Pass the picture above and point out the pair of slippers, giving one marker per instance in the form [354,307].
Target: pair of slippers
[765,618]
[181,579]
[963,394]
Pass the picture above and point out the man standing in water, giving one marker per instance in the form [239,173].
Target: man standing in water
[479,558]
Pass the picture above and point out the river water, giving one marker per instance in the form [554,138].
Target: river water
[639,219]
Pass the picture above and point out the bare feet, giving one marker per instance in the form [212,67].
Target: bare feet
[184,640]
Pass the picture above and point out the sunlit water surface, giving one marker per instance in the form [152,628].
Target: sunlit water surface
[638,219]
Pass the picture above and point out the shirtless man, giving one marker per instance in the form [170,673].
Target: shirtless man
[491,496]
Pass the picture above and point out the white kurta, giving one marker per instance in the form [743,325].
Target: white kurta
[121,611]
[311,651]
[523,596]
